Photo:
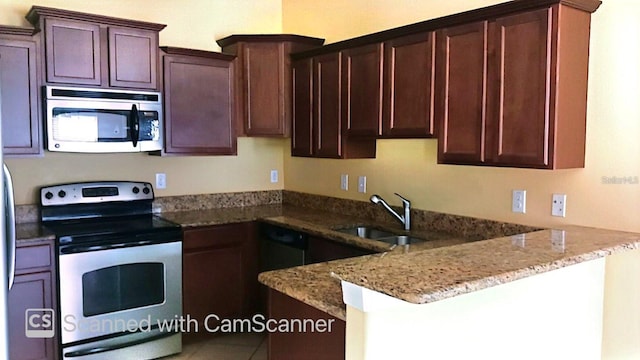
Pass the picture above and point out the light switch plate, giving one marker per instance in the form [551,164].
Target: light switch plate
[362,184]
[519,201]
[274,176]
[344,182]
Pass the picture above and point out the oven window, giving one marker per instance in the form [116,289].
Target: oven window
[122,287]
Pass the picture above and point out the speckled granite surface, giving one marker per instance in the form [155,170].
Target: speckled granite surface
[27,233]
[217,201]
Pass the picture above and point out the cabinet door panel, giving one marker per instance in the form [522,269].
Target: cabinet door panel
[199,106]
[519,85]
[73,52]
[327,115]
[302,137]
[264,72]
[409,64]
[133,57]
[20,112]
[362,90]
[30,291]
[461,92]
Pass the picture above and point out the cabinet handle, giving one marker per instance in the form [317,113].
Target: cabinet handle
[10,224]
[135,125]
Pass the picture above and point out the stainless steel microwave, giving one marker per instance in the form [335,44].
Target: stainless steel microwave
[94,120]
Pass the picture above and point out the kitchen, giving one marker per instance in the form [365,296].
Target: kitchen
[406,166]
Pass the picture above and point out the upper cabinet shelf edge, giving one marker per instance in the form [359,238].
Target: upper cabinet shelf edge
[486,13]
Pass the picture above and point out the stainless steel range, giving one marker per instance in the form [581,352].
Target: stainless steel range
[120,271]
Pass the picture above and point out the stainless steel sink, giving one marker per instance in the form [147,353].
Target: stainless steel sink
[373,233]
[401,240]
[366,232]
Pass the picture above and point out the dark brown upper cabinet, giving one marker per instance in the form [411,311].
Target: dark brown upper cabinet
[319,122]
[198,102]
[504,85]
[409,78]
[461,93]
[263,80]
[510,95]
[19,78]
[362,90]
[95,50]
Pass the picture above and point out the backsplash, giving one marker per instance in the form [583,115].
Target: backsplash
[217,201]
[467,227]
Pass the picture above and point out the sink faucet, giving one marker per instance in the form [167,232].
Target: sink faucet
[406,205]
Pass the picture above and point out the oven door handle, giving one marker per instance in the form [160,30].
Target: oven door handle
[80,248]
[134,125]
[102,349]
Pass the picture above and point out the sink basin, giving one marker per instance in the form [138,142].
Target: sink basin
[372,233]
[366,232]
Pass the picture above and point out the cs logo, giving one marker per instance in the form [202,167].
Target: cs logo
[39,323]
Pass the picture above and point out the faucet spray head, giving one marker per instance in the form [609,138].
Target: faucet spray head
[375,199]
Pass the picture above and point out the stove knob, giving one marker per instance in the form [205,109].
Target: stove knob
[146,191]
[62,193]
[48,195]
[136,190]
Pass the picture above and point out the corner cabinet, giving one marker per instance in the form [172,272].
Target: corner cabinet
[263,80]
[319,128]
[220,273]
[513,91]
[198,102]
[33,288]
[95,50]
[19,78]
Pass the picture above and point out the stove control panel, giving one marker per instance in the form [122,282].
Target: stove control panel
[95,192]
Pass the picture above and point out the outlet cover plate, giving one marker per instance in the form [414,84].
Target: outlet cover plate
[559,205]
[362,184]
[344,182]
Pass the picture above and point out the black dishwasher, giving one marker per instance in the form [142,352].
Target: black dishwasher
[281,248]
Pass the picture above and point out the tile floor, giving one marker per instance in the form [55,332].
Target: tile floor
[247,346]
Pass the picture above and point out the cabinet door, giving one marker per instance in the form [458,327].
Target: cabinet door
[133,55]
[302,137]
[362,90]
[294,345]
[20,110]
[327,115]
[461,93]
[72,52]
[409,64]
[264,72]
[199,106]
[519,87]
[320,250]
[220,271]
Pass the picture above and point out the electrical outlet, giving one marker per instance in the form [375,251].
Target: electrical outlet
[559,205]
[344,182]
[362,184]
[274,176]
[161,181]
[519,201]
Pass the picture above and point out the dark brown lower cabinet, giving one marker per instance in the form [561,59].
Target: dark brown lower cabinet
[220,274]
[33,288]
[308,345]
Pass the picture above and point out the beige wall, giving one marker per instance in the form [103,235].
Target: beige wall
[409,166]
[194,24]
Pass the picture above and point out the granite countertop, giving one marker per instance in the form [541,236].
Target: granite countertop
[27,233]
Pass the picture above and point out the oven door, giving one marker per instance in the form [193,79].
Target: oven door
[102,126]
[111,292]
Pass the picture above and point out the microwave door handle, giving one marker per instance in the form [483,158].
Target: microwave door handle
[135,125]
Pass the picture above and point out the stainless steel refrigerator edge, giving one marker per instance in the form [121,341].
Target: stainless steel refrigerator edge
[7,246]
